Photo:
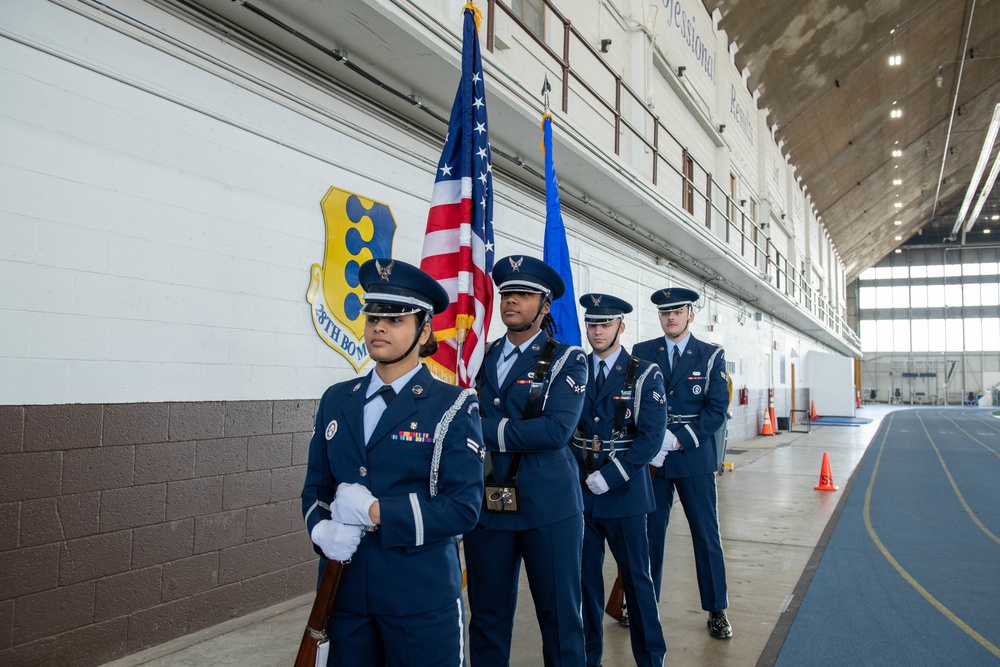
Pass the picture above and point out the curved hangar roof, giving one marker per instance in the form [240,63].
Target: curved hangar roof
[824,74]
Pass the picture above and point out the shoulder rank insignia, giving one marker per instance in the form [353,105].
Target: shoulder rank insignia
[476,448]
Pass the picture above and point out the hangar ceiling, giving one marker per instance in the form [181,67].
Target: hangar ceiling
[822,69]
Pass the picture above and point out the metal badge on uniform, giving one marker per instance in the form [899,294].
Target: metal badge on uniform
[536,347]
[531,375]
[413,425]
[696,373]
[417,389]
[696,389]
[662,348]
[356,387]
[331,430]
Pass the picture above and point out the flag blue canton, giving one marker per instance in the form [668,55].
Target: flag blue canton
[555,251]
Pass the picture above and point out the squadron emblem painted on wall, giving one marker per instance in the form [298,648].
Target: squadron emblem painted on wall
[357,229]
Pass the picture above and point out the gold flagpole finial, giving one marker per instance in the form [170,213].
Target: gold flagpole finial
[477,14]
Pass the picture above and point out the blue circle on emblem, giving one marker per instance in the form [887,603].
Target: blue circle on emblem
[696,389]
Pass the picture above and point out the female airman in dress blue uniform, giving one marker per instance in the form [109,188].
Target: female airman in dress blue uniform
[697,400]
[620,432]
[530,409]
[401,453]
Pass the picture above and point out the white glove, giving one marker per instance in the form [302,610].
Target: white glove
[337,540]
[596,483]
[669,445]
[351,505]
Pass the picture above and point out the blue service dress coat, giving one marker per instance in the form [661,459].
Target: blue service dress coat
[626,473]
[547,481]
[410,564]
[697,400]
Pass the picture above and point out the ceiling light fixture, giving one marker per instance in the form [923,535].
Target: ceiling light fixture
[896,113]
[897,153]
[898,251]
[898,237]
[984,157]
[939,78]
[897,181]
[895,60]
[898,223]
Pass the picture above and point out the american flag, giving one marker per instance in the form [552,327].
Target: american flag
[458,245]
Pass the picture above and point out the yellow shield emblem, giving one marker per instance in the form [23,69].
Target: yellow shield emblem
[357,229]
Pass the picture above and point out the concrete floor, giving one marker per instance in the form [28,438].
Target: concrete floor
[771,521]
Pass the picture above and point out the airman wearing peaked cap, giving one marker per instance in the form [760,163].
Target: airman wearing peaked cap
[394,473]
[697,401]
[620,431]
[531,390]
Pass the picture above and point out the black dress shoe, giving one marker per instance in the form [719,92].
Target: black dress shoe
[718,625]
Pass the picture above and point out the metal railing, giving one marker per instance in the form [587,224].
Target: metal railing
[626,112]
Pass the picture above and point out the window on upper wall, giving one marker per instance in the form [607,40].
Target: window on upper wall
[687,192]
[532,12]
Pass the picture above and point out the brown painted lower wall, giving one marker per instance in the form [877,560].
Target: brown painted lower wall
[123,526]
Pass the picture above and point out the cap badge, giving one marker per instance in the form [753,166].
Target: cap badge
[515,265]
[666,294]
[596,299]
[383,271]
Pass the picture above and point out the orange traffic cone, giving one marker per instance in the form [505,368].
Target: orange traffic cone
[826,476]
[767,429]
[812,411]
[858,396]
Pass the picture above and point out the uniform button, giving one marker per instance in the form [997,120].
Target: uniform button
[670,408]
[597,419]
[671,392]
[496,401]
[363,471]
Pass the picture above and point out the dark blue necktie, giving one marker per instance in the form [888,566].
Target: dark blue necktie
[386,392]
[599,380]
[675,360]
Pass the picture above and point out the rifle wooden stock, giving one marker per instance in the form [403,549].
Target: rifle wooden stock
[315,632]
[616,599]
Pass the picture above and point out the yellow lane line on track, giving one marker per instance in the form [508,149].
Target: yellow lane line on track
[954,486]
[982,641]
[991,450]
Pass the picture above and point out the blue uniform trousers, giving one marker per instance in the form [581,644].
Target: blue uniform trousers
[700,501]
[626,538]
[551,557]
[413,639]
